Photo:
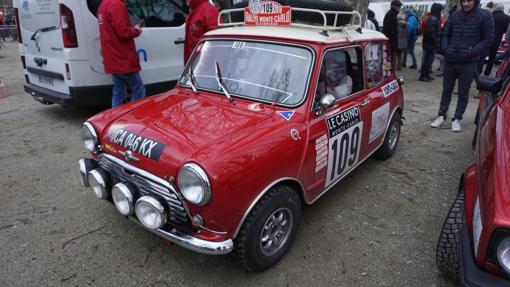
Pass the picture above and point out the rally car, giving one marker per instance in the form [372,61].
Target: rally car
[268,115]
[474,244]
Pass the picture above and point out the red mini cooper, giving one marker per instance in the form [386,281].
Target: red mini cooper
[264,119]
[474,244]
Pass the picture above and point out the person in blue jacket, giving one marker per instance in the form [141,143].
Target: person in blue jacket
[413,29]
[466,37]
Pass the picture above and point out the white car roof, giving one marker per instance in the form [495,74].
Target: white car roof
[299,33]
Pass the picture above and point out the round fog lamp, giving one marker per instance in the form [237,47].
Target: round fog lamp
[150,212]
[122,196]
[97,179]
[503,253]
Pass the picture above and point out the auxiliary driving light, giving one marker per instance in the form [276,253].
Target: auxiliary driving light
[98,180]
[86,165]
[150,212]
[122,195]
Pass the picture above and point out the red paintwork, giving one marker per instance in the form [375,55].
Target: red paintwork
[488,177]
[243,151]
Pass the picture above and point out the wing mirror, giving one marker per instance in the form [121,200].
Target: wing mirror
[328,101]
[488,84]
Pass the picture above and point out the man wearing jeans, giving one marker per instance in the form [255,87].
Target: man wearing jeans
[466,37]
[118,48]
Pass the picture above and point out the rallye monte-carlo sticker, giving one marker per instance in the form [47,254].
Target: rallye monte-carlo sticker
[345,130]
[141,145]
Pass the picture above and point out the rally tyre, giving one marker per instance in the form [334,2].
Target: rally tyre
[324,5]
[391,138]
[448,244]
[269,229]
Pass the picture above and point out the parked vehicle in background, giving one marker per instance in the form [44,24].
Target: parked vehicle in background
[257,126]
[61,52]
[474,244]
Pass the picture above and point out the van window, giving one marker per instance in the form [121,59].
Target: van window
[39,14]
[152,13]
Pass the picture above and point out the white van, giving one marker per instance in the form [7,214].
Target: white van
[61,52]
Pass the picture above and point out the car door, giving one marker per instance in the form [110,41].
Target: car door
[338,136]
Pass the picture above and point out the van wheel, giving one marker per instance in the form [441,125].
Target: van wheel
[448,244]
[391,138]
[269,230]
[304,16]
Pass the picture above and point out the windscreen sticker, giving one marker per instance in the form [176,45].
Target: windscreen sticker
[321,149]
[379,121]
[390,88]
[141,145]
[345,131]
[286,114]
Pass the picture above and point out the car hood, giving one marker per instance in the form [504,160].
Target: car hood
[167,130]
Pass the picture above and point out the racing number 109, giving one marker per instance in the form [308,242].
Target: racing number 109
[344,152]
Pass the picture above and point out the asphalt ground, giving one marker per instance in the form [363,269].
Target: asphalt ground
[377,227]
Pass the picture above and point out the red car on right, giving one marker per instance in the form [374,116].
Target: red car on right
[474,244]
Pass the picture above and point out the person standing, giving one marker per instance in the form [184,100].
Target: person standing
[501,21]
[467,35]
[403,36]
[431,41]
[390,29]
[203,17]
[119,51]
[413,31]
[371,17]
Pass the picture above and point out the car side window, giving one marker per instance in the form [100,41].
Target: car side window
[152,13]
[378,63]
[341,73]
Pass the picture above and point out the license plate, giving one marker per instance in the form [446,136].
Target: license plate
[46,80]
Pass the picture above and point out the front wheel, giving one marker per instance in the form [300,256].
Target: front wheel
[391,138]
[269,230]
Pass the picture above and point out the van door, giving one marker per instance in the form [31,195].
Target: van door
[161,45]
[43,44]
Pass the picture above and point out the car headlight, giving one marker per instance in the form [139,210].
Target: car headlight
[150,212]
[194,184]
[89,136]
[504,254]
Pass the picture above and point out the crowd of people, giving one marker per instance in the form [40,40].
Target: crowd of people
[461,44]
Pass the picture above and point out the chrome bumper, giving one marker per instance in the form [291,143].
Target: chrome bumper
[192,243]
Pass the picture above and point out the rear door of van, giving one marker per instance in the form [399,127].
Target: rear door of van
[43,44]
[160,47]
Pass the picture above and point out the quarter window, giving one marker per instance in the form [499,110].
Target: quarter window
[378,63]
[152,13]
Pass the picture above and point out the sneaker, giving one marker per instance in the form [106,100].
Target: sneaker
[438,122]
[456,126]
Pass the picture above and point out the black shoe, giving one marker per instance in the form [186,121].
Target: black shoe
[413,67]
[424,79]
[429,78]
[404,65]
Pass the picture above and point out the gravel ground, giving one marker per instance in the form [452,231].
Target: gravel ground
[378,227]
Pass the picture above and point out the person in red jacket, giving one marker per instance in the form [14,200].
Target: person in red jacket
[203,17]
[118,48]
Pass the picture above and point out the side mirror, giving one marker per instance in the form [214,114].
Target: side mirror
[328,101]
[488,84]
[401,81]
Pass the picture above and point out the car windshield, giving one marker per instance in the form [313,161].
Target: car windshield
[266,72]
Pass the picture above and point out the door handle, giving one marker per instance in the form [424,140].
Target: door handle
[365,102]
[179,41]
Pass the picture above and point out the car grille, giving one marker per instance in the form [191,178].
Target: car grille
[175,207]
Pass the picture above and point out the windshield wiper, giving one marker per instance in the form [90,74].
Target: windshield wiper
[45,29]
[192,79]
[219,79]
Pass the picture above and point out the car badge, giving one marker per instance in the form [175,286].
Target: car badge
[295,134]
[286,114]
[128,155]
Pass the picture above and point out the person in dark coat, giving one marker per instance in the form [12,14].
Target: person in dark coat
[371,17]
[431,41]
[501,21]
[390,29]
[468,34]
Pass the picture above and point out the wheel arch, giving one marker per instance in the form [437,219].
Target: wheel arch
[288,181]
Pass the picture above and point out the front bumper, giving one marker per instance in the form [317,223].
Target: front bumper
[166,232]
[470,274]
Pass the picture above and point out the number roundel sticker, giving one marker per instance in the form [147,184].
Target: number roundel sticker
[345,131]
